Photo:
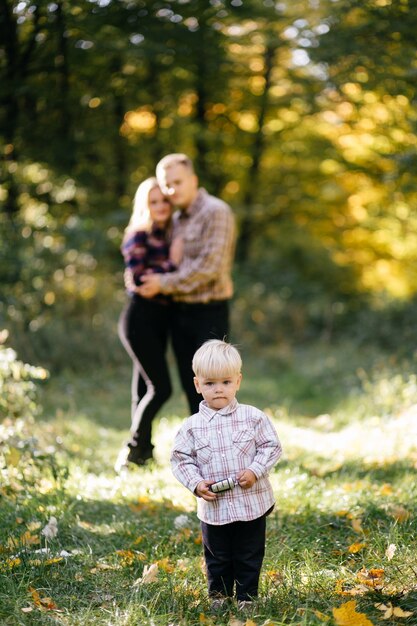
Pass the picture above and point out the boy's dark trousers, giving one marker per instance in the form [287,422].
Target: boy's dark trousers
[234,554]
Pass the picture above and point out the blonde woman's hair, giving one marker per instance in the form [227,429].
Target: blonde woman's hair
[141,217]
[216,358]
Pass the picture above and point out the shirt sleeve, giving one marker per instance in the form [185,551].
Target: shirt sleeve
[268,447]
[135,252]
[183,460]
[216,246]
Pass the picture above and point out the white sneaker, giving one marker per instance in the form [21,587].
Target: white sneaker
[121,462]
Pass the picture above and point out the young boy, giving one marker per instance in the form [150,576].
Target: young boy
[227,440]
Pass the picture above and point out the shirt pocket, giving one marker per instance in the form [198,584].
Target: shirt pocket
[244,442]
[203,450]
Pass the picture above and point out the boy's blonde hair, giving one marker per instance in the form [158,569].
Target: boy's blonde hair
[216,358]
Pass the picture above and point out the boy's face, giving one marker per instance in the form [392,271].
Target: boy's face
[218,392]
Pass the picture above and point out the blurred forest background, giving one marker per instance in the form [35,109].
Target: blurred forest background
[301,114]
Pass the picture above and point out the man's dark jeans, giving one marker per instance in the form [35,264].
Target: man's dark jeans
[192,325]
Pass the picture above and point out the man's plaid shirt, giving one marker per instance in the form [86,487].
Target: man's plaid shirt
[207,228]
[213,445]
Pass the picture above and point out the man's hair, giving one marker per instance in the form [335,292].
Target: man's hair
[170,160]
[216,358]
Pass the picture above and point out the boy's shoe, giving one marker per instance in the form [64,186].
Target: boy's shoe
[218,604]
[245,605]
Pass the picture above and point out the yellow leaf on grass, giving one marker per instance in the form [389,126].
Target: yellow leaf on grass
[346,615]
[13,457]
[10,564]
[400,514]
[56,559]
[165,565]
[356,547]
[356,525]
[386,490]
[321,616]
[42,603]
[392,611]
[138,540]
[358,590]
[373,578]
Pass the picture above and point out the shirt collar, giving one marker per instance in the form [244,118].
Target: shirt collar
[209,413]
[195,205]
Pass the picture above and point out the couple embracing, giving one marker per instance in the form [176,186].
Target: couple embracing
[178,276]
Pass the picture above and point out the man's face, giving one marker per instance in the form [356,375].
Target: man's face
[179,184]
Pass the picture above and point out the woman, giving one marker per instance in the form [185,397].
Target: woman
[144,323]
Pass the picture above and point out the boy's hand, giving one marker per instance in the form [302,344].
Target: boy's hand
[202,490]
[246,479]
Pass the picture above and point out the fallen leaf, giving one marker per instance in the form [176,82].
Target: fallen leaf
[150,574]
[356,525]
[373,578]
[50,531]
[43,603]
[346,615]
[392,611]
[165,565]
[356,547]
[386,490]
[400,514]
[27,609]
[390,551]
[321,616]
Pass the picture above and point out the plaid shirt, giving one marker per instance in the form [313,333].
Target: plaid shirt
[213,445]
[207,228]
[146,252]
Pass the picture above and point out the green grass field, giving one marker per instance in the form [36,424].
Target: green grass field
[126,551]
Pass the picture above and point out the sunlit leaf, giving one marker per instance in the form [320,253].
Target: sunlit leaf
[356,547]
[43,603]
[386,490]
[400,514]
[321,616]
[165,565]
[149,575]
[390,551]
[392,611]
[373,578]
[346,615]
[357,525]
[50,531]
[10,564]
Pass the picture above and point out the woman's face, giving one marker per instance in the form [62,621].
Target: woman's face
[159,207]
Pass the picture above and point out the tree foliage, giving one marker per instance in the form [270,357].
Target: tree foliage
[300,114]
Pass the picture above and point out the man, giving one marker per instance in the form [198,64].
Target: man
[202,286]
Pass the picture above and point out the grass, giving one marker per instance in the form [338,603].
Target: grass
[345,491]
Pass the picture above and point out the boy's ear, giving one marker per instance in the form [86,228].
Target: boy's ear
[197,386]
[239,380]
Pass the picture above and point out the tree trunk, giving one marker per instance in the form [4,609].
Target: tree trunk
[246,226]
